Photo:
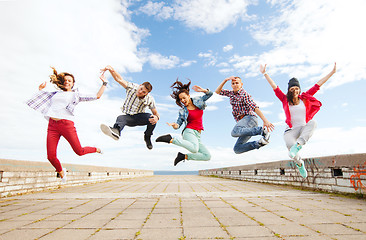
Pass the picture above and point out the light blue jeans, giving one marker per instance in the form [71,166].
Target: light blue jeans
[244,130]
[192,142]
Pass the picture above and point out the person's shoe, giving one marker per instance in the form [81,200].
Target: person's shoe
[302,169]
[266,134]
[109,131]
[64,179]
[99,151]
[164,138]
[180,157]
[262,142]
[148,141]
[294,150]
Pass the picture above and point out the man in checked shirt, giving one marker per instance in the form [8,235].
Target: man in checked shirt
[137,100]
[244,112]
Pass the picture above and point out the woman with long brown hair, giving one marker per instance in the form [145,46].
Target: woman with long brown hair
[58,108]
[300,109]
[190,114]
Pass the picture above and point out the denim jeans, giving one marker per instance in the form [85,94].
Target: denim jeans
[244,130]
[140,119]
[192,142]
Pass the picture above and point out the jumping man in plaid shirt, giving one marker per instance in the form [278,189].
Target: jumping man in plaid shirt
[137,100]
[244,110]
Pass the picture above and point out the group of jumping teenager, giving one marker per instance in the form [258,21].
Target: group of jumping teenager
[299,107]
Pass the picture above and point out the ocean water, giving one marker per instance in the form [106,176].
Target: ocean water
[175,172]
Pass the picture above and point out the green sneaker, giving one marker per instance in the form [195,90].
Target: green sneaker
[294,150]
[302,169]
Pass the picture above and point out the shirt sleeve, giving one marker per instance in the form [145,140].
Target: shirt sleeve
[249,101]
[151,103]
[313,90]
[225,92]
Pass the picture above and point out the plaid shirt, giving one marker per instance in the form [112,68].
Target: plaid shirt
[241,102]
[41,101]
[133,104]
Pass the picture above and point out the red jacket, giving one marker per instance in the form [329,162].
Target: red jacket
[312,105]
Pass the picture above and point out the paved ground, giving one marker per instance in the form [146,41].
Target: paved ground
[181,207]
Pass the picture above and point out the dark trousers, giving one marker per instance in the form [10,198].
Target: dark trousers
[140,119]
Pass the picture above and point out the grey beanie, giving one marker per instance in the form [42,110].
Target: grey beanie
[293,82]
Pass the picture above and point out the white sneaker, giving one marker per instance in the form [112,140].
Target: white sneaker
[64,179]
[262,142]
[109,131]
[266,134]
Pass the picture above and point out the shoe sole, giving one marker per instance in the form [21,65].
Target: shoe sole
[107,131]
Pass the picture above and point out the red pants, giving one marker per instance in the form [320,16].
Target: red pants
[64,128]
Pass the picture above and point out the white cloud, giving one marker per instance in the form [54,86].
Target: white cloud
[228,48]
[307,38]
[209,57]
[157,9]
[188,63]
[78,37]
[211,16]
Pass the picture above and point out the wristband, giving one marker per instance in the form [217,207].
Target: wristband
[105,83]
[265,73]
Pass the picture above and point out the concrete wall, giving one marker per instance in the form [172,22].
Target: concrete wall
[340,173]
[17,177]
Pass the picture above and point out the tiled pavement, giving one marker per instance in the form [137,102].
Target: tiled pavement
[181,207]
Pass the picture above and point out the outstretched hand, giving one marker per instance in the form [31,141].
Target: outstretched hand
[198,89]
[174,125]
[107,68]
[103,78]
[42,86]
[262,68]
[269,126]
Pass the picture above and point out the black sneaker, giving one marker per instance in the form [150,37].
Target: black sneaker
[147,139]
[109,131]
[164,138]
[180,157]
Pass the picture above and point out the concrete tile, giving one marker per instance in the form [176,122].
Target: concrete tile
[204,232]
[69,234]
[25,234]
[112,234]
[249,231]
[127,223]
[160,233]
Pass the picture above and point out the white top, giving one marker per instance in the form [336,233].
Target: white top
[298,114]
[58,105]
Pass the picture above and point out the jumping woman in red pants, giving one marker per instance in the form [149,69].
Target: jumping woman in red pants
[58,108]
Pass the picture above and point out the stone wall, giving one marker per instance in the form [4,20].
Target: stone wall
[339,173]
[17,177]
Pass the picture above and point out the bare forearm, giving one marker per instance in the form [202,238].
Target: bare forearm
[219,88]
[101,91]
[270,81]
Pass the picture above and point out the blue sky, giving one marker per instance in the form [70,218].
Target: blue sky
[205,41]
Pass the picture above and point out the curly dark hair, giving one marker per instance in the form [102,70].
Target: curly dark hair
[178,88]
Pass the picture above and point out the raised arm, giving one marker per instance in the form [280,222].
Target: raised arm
[219,88]
[115,75]
[102,88]
[324,79]
[268,78]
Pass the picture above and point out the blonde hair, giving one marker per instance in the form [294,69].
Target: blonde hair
[59,79]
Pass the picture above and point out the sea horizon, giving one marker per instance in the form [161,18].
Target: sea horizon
[167,172]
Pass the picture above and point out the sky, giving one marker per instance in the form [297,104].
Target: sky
[201,40]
